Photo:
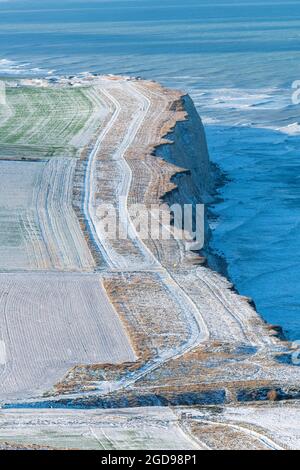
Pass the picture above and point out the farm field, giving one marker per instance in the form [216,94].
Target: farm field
[50,121]
[42,129]
[38,227]
[51,322]
[124,429]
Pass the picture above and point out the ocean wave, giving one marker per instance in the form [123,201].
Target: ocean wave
[292,129]
[13,68]
[241,99]
[209,120]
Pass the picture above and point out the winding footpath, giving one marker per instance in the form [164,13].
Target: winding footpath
[199,330]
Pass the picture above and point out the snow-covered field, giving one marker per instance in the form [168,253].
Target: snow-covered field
[39,229]
[262,427]
[266,426]
[122,429]
[51,322]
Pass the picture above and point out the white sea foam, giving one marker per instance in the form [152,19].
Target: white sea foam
[291,129]
[235,98]
[209,120]
[13,68]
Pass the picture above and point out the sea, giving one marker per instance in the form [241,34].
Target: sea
[240,62]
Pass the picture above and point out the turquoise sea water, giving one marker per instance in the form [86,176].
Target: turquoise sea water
[238,60]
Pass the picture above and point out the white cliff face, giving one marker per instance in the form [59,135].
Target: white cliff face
[189,151]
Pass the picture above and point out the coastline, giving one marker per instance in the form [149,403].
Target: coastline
[215,261]
[181,319]
[149,228]
[176,141]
